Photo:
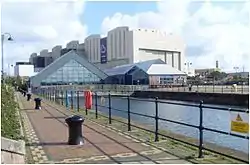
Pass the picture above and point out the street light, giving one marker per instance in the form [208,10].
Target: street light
[188,64]
[2,40]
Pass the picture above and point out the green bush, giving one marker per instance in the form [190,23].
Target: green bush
[10,126]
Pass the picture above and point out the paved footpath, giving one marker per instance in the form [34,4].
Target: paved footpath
[47,135]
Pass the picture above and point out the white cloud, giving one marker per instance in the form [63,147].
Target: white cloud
[40,25]
[215,32]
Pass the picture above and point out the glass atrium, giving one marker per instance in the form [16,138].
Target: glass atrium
[72,72]
[70,68]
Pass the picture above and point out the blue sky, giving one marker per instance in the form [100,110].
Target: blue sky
[96,11]
[208,29]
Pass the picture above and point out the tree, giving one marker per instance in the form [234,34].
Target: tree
[216,75]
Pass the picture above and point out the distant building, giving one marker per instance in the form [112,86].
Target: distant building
[152,72]
[204,72]
[240,74]
[71,68]
[24,69]
[125,46]
[217,65]
[122,46]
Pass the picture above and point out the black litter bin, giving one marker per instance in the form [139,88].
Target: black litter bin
[75,130]
[37,103]
[28,96]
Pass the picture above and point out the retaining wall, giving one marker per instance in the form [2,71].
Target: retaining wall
[208,98]
[12,152]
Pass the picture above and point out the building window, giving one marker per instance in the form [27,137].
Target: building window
[72,72]
[166,80]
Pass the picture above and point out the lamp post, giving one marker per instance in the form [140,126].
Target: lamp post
[2,40]
[188,64]
[9,67]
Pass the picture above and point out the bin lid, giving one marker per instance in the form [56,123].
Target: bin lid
[37,99]
[74,118]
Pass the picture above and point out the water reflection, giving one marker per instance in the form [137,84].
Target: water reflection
[215,119]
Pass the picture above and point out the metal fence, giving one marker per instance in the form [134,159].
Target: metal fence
[59,97]
[238,89]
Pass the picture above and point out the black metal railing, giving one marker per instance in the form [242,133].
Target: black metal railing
[200,106]
[201,88]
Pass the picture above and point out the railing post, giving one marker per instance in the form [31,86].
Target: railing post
[66,99]
[201,130]
[71,99]
[129,124]
[222,89]
[47,94]
[96,106]
[55,95]
[213,88]
[242,87]
[109,108]
[50,95]
[62,95]
[86,110]
[156,120]
[78,106]
[58,98]
[205,88]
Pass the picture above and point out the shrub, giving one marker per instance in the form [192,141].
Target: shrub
[10,126]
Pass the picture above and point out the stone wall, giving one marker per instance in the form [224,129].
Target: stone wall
[12,152]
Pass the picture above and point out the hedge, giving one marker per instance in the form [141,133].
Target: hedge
[10,126]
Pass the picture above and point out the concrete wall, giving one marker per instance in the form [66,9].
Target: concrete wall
[147,44]
[31,57]
[117,43]
[92,48]
[72,45]
[56,52]
[113,63]
[24,70]
[44,53]
[81,50]
[131,46]
[208,98]
[12,152]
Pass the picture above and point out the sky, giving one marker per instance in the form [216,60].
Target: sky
[211,30]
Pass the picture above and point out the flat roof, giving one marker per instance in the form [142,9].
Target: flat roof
[23,63]
[163,69]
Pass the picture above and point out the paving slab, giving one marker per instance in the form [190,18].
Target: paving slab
[47,135]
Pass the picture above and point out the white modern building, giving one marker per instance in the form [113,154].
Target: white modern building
[24,69]
[125,46]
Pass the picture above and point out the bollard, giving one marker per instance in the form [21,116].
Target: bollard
[37,103]
[28,96]
[75,130]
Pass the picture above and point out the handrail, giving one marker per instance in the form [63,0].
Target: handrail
[201,107]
